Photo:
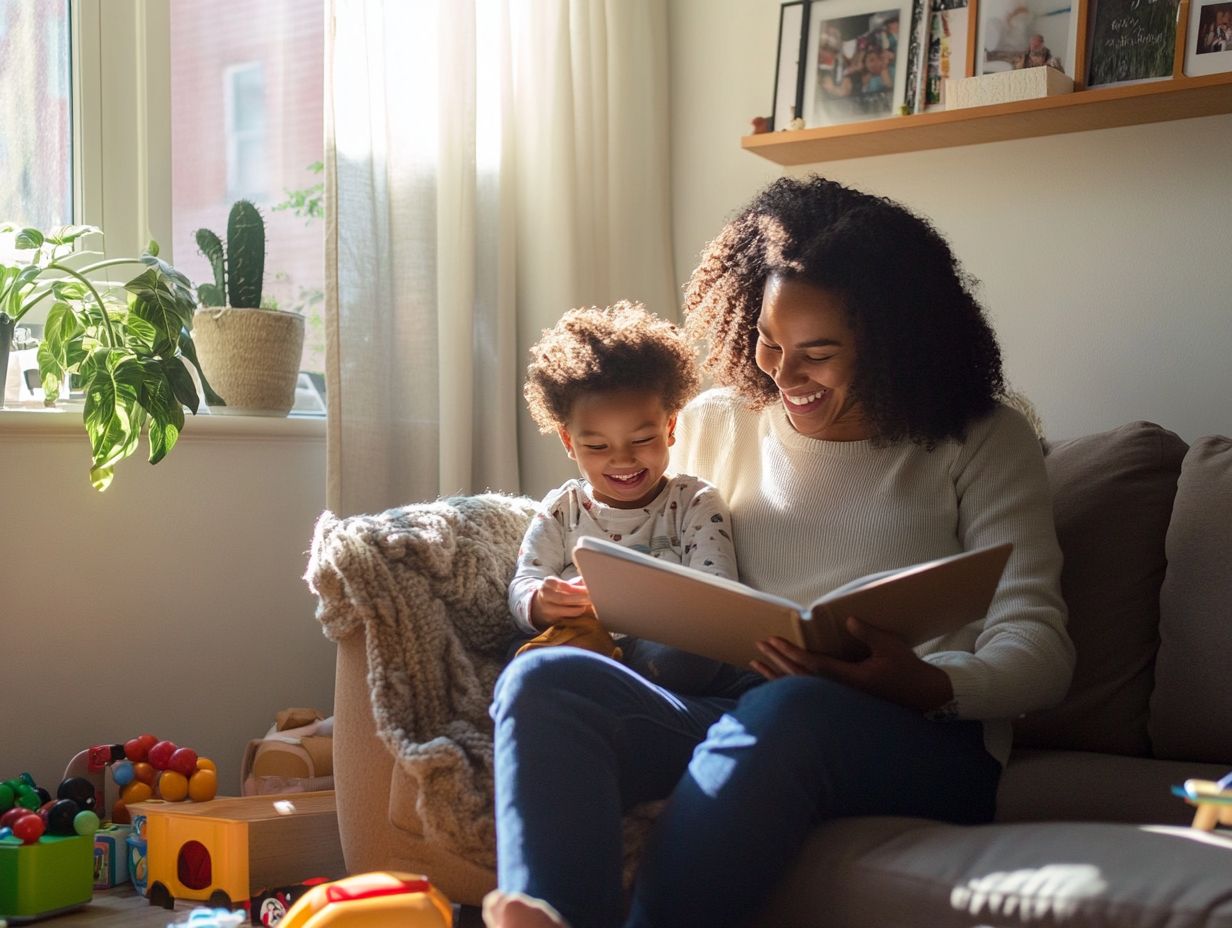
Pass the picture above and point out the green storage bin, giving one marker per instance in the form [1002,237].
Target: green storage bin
[52,876]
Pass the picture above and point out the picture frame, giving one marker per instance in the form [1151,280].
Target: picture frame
[1208,40]
[788,73]
[1130,42]
[948,51]
[854,66]
[1015,34]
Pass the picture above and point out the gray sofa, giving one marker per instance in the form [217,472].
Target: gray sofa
[1088,831]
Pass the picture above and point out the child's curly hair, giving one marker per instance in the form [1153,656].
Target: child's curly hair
[928,362]
[596,350]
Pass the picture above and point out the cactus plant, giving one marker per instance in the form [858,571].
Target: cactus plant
[239,264]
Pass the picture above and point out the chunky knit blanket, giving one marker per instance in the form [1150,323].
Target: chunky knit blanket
[426,584]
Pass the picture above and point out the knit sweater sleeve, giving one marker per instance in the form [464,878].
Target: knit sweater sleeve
[1022,658]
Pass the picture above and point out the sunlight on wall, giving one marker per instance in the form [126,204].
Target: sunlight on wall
[1053,892]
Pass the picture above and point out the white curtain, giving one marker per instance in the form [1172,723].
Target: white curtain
[489,164]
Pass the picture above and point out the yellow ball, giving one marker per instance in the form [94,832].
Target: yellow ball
[203,785]
[172,786]
[136,791]
[204,763]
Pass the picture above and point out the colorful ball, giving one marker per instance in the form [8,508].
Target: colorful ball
[85,822]
[29,828]
[172,786]
[28,798]
[160,754]
[123,773]
[145,773]
[136,792]
[183,761]
[203,785]
[204,763]
[7,797]
[8,818]
[135,749]
[60,817]
[78,789]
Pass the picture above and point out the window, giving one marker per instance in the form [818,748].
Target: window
[36,113]
[247,121]
[244,91]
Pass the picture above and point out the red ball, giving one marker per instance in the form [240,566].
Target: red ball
[29,827]
[135,749]
[160,754]
[148,740]
[183,761]
[12,815]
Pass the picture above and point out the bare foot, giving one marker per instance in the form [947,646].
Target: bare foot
[517,910]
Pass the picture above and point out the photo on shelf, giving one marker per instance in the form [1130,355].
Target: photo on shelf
[788,78]
[852,68]
[946,55]
[1208,46]
[1016,34]
[1131,41]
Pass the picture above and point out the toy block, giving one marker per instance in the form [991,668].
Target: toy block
[227,850]
[54,875]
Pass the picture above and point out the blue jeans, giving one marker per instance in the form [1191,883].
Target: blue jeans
[750,771]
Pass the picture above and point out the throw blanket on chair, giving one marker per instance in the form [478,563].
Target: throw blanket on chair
[427,585]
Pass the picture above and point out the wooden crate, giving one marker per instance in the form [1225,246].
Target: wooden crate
[236,847]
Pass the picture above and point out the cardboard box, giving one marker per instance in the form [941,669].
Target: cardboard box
[1006,87]
[111,855]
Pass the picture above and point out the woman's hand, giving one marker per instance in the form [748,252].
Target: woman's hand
[558,599]
[891,670]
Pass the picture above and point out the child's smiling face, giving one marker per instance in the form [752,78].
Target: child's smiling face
[620,442]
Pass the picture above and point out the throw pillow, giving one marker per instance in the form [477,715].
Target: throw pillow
[1191,708]
[1112,500]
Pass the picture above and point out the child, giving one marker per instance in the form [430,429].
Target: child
[609,382]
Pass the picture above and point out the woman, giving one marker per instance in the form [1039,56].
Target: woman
[857,427]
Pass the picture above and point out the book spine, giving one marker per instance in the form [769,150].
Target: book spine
[916,59]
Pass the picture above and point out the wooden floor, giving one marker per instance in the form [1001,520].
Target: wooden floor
[123,908]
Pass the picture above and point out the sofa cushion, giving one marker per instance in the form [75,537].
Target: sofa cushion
[904,873]
[1112,499]
[1191,708]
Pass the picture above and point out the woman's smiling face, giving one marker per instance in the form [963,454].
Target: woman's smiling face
[806,347]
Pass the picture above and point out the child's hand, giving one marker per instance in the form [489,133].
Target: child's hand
[558,599]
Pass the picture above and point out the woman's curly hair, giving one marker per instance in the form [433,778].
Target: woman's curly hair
[928,362]
[595,350]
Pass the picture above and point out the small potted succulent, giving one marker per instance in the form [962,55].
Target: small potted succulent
[125,346]
[250,353]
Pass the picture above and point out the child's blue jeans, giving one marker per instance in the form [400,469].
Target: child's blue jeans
[581,738]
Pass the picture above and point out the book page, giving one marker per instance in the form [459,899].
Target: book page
[639,595]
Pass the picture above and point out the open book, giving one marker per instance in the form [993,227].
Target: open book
[679,606]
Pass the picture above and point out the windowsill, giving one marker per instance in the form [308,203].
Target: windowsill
[63,421]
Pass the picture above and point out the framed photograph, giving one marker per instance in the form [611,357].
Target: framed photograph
[1208,46]
[852,66]
[1015,34]
[946,53]
[1131,41]
[788,77]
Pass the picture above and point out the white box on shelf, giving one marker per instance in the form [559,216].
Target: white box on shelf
[1006,87]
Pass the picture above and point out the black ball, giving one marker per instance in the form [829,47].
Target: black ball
[44,796]
[78,789]
[60,817]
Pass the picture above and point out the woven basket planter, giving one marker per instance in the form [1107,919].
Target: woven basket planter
[250,357]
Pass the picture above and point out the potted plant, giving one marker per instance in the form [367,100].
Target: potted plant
[251,353]
[123,345]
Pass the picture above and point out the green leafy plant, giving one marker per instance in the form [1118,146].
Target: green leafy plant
[238,265]
[125,344]
[307,202]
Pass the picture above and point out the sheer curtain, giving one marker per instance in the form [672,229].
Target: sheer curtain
[489,164]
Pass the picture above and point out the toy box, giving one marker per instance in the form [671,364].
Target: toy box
[111,855]
[227,850]
[46,878]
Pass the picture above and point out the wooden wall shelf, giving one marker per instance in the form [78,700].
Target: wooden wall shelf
[1101,108]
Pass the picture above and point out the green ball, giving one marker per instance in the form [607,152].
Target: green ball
[85,822]
[7,796]
[28,798]
[28,779]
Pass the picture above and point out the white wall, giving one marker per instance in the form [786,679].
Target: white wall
[172,603]
[1105,257]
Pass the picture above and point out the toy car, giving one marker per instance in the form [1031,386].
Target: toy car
[372,900]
